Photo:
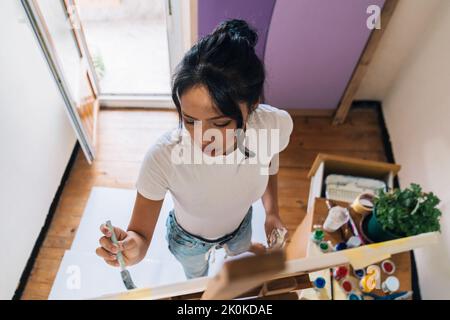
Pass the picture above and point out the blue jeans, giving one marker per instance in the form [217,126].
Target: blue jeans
[193,251]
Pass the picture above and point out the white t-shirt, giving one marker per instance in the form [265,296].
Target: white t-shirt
[211,200]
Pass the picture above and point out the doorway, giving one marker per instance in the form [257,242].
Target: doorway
[128,44]
[112,53]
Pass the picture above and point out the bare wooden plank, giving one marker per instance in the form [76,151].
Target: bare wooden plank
[366,166]
[233,280]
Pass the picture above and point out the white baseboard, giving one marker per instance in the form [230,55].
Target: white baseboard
[136,101]
[311,112]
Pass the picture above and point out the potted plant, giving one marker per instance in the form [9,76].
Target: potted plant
[403,213]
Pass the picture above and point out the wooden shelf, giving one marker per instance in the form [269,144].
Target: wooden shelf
[402,260]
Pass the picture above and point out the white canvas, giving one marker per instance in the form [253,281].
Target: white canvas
[159,267]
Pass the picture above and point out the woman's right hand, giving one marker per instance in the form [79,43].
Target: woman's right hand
[128,244]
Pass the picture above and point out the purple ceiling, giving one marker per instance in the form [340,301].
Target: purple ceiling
[256,12]
[312,49]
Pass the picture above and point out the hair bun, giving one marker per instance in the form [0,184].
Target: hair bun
[238,30]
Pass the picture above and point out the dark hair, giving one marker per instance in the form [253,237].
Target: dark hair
[225,62]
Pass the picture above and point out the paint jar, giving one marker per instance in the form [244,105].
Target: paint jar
[317,236]
[391,284]
[319,283]
[324,247]
[388,267]
[337,217]
[354,242]
[363,204]
[348,284]
[354,296]
[340,272]
[374,270]
[319,286]
[359,273]
[367,284]
[340,246]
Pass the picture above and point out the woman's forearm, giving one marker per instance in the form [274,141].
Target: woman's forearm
[270,196]
[142,244]
[143,222]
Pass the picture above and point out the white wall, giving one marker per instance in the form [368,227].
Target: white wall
[409,23]
[416,105]
[36,141]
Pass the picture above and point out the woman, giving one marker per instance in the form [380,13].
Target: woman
[216,89]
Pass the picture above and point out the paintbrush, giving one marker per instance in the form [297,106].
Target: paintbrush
[403,295]
[125,274]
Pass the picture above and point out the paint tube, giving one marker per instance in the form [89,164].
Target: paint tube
[277,238]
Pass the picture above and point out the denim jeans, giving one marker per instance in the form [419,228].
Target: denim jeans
[193,252]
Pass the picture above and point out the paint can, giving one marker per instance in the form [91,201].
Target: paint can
[317,236]
[388,267]
[337,217]
[340,272]
[391,284]
[359,273]
[340,246]
[354,242]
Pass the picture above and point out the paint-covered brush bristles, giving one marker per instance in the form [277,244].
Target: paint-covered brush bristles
[127,281]
[124,273]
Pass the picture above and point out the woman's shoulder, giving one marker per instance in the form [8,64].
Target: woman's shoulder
[267,116]
[162,147]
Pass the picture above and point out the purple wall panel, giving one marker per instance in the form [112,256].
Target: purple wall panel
[256,12]
[312,49]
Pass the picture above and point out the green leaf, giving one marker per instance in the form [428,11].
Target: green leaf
[394,211]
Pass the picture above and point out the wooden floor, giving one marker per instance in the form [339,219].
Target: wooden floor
[125,135]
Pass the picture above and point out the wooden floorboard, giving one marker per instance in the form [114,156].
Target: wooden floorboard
[125,135]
